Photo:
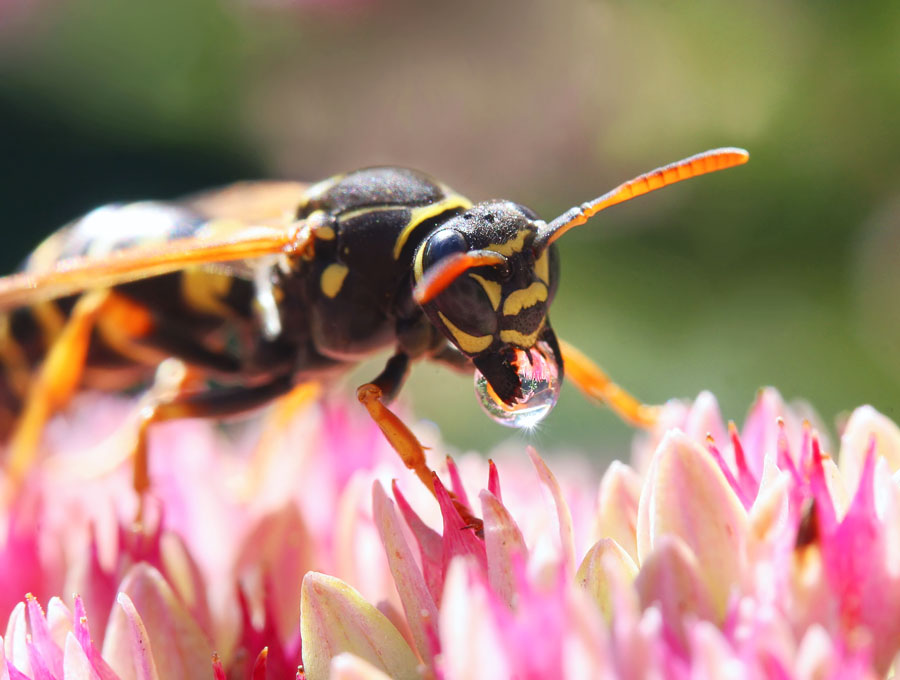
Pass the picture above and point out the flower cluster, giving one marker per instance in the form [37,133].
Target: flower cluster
[312,553]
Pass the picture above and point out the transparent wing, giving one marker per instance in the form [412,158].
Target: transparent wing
[247,221]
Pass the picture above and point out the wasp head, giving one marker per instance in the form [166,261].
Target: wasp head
[497,287]
[487,276]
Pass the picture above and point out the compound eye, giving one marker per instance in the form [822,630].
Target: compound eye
[442,244]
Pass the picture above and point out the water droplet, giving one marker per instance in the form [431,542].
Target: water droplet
[540,389]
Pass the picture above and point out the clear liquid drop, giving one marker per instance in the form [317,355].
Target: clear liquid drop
[539,374]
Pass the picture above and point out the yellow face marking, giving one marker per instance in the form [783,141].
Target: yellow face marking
[418,264]
[332,279]
[542,266]
[204,291]
[526,297]
[492,288]
[519,339]
[513,245]
[467,343]
[426,212]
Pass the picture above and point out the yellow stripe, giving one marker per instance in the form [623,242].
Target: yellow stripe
[542,266]
[492,288]
[366,209]
[467,343]
[520,340]
[523,298]
[513,245]
[324,233]
[426,212]
[333,278]
[203,291]
[418,264]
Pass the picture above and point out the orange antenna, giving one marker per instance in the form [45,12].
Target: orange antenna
[445,272]
[702,163]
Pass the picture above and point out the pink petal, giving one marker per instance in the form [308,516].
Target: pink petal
[459,536]
[867,587]
[334,618]
[21,566]
[281,656]
[760,434]
[15,674]
[670,578]
[827,515]
[59,621]
[687,495]
[456,484]
[816,654]
[746,499]
[349,667]
[746,479]
[76,664]
[127,644]
[494,480]
[865,423]
[421,611]
[179,646]
[186,578]
[39,669]
[704,419]
[617,507]
[566,531]
[86,642]
[713,657]
[431,547]
[49,652]
[470,637]
[259,666]
[505,548]
[7,670]
[15,646]
[769,516]
[218,668]
[605,568]
[96,586]
[279,549]
[586,649]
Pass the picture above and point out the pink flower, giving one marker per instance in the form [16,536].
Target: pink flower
[717,553]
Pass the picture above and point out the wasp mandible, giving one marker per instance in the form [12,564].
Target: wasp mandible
[263,286]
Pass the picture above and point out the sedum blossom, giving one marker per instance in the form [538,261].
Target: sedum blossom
[716,552]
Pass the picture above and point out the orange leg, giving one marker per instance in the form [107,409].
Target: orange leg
[410,450]
[372,395]
[57,380]
[591,380]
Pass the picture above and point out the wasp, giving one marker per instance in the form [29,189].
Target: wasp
[263,286]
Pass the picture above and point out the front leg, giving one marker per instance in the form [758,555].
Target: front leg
[384,388]
[591,380]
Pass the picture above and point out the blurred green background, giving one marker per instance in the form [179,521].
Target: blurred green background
[785,271]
